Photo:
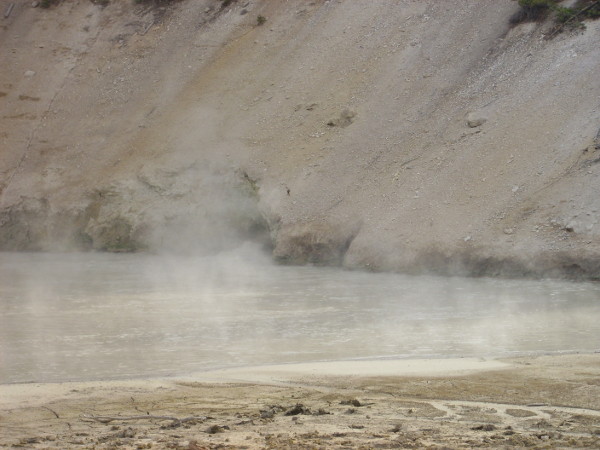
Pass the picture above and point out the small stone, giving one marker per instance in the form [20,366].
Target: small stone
[298,409]
[345,119]
[267,414]
[572,226]
[29,73]
[35,4]
[509,231]
[214,429]
[127,433]
[475,120]
[351,402]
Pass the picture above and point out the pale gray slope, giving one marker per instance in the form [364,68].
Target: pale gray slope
[340,126]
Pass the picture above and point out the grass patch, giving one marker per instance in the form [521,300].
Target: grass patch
[533,10]
[48,3]
[564,17]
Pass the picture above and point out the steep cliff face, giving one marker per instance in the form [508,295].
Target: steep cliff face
[390,135]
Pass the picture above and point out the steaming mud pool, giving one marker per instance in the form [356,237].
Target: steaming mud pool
[103,316]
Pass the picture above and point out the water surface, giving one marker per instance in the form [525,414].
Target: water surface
[96,316]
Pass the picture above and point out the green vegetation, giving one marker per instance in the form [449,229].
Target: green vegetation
[532,10]
[570,17]
[48,3]
[589,9]
[260,20]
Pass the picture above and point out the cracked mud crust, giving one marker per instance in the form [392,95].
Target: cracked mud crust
[548,401]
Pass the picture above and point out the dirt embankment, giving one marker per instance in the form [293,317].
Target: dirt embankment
[390,135]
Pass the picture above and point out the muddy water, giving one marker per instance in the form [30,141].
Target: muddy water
[94,316]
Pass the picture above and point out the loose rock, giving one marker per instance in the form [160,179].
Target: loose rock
[475,120]
[298,409]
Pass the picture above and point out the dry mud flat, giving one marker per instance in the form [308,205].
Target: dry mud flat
[546,402]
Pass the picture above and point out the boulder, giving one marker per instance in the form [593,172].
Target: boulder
[312,243]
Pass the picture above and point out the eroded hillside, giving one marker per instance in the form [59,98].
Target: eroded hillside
[412,135]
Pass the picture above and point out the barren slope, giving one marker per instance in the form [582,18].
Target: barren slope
[339,127]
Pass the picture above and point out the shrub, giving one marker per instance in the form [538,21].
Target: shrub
[537,10]
[564,14]
[533,10]
[572,18]
[590,9]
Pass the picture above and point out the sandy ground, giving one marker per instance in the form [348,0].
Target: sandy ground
[544,401]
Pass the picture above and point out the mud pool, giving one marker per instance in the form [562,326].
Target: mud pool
[102,316]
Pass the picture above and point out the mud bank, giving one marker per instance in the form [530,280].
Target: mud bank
[546,401]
